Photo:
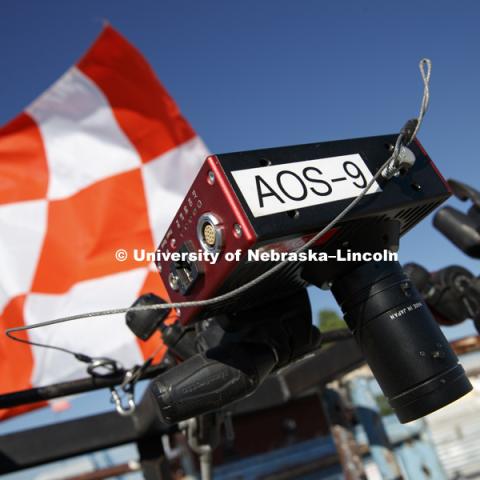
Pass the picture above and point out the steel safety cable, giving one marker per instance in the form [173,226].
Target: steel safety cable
[425,66]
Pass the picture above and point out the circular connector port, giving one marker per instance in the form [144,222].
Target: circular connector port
[210,232]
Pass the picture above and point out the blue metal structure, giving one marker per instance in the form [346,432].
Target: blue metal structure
[399,451]
[294,457]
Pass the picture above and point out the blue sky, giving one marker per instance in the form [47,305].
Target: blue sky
[254,74]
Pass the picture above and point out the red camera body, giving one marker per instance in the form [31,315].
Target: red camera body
[277,199]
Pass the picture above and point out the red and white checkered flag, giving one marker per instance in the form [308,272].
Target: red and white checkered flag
[99,162]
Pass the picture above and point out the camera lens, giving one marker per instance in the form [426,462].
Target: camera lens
[403,345]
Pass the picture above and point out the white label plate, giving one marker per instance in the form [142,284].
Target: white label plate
[280,188]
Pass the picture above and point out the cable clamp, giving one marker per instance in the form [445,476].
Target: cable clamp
[401,162]
[123,409]
[127,387]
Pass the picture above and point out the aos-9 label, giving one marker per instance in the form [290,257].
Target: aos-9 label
[280,188]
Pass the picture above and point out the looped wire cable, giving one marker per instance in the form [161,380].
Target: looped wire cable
[198,303]
[229,295]
[425,67]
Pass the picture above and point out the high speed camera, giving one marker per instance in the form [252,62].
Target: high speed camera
[276,200]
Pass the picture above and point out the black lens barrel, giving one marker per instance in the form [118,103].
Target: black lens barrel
[402,343]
